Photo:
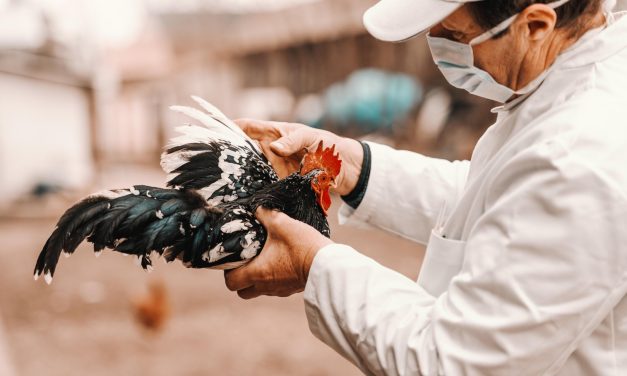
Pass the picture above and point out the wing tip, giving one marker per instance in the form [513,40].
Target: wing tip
[48,277]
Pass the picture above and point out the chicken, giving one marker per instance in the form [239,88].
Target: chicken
[218,177]
[153,309]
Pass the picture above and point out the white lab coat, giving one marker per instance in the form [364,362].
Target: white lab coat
[526,271]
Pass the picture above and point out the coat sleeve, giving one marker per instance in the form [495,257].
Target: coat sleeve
[545,261]
[406,192]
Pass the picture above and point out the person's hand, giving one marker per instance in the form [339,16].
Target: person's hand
[284,144]
[282,267]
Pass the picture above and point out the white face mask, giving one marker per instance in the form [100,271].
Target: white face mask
[457,63]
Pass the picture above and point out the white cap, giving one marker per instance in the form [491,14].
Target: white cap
[397,20]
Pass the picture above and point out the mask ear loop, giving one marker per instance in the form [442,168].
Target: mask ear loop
[494,31]
[507,23]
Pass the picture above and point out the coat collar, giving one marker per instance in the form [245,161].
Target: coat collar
[594,46]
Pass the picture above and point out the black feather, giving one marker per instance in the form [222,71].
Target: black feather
[179,223]
[62,237]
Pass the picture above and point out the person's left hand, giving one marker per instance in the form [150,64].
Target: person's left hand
[282,267]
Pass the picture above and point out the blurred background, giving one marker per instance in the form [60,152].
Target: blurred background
[85,88]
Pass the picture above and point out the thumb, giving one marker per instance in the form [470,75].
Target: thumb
[267,217]
[293,143]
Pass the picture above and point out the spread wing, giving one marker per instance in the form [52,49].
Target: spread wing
[219,160]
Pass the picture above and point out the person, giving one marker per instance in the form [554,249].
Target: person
[525,271]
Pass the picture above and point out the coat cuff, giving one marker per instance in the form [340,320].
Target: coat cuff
[355,198]
[332,254]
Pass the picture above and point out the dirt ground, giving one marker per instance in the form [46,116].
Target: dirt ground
[83,323]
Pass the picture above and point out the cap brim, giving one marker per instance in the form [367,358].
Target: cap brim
[398,20]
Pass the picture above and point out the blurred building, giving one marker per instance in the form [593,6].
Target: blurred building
[263,62]
[79,93]
[46,111]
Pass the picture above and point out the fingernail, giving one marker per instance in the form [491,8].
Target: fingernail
[278,145]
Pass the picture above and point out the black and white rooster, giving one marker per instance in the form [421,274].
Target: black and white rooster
[218,177]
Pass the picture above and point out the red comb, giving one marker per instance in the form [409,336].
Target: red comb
[324,159]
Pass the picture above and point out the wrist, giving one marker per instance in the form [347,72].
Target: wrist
[352,159]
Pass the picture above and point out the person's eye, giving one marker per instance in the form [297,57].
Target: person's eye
[448,32]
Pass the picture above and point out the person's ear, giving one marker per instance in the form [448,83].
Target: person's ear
[537,21]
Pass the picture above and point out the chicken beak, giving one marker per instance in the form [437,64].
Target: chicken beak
[333,184]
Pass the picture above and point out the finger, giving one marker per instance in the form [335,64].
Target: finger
[249,125]
[260,129]
[249,293]
[294,142]
[238,279]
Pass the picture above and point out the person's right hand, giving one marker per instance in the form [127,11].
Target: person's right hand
[284,144]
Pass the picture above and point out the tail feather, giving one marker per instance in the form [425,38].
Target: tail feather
[213,127]
[215,113]
[211,109]
[214,119]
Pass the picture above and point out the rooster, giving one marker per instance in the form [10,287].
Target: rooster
[217,178]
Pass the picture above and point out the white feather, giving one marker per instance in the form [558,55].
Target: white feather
[193,134]
[109,194]
[234,226]
[218,115]
[48,277]
[216,253]
[215,119]
[250,245]
[209,107]
[170,162]
[250,251]
[216,127]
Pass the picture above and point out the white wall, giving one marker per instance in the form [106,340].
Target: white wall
[44,135]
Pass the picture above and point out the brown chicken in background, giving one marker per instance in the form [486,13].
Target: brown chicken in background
[152,310]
